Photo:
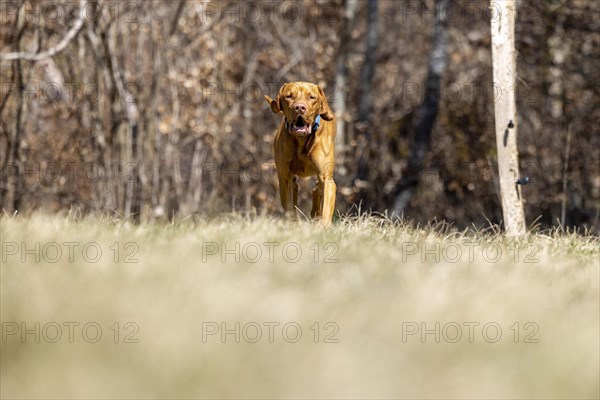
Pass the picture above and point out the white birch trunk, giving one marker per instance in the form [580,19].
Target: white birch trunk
[504,65]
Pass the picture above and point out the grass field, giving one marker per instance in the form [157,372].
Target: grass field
[261,308]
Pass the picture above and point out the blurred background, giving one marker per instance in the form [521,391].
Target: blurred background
[155,109]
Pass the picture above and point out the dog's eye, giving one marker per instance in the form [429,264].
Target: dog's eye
[312,98]
[289,96]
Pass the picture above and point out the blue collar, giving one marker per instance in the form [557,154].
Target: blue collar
[314,128]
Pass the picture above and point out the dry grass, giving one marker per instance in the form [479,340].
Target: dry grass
[375,290]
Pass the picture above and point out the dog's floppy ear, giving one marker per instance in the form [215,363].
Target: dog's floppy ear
[325,112]
[276,104]
[273,103]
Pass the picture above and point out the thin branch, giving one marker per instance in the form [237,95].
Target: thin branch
[563,214]
[53,50]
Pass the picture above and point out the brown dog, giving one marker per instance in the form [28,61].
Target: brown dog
[304,146]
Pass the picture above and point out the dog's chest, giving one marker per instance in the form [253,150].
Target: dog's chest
[302,164]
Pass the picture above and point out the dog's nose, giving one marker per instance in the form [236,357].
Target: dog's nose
[300,108]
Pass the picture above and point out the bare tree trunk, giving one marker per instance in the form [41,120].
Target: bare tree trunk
[171,196]
[104,126]
[132,180]
[427,114]
[341,83]
[15,190]
[368,70]
[505,112]
[361,180]
[11,197]
[158,207]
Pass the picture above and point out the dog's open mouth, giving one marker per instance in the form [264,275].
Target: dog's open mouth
[299,127]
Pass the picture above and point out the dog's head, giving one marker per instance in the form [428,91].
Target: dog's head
[301,103]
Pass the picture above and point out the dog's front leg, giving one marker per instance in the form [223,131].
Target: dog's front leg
[329,188]
[286,194]
[317,206]
[295,192]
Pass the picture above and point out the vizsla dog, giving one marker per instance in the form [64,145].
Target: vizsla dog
[304,146]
